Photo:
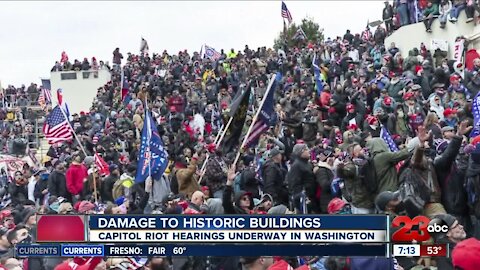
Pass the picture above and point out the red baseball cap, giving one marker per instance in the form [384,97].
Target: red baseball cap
[408,96]
[335,205]
[465,254]
[449,111]
[387,101]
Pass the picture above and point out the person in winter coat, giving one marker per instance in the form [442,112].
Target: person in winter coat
[215,174]
[187,178]
[451,178]
[18,189]
[324,175]
[301,179]
[455,234]
[436,105]
[41,188]
[117,57]
[243,201]
[414,111]
[384,162]
[421,176]
[76,175]
[472,185]
[355,191]
[57,183]
[444,10]
[108,182]
[474,85]
[273,175]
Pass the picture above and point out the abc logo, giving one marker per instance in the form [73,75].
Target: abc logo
[419,228]
[435,228]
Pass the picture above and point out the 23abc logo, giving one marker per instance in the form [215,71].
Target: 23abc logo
[425,228]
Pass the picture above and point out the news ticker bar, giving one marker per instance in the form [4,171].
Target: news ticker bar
[119,250]
[200,229]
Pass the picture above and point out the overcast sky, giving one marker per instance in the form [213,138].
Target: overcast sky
[33,34]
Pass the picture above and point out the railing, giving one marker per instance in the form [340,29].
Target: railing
[79,74]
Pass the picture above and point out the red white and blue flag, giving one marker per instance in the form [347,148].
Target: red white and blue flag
[385,135]
[211,53]
[262,123]
[56,127]
[286,13]
[153,157]
[61,102]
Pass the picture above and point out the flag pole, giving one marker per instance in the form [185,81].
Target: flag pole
[73,131]
[217,141]
[95,183]
[149,135]
[270,84]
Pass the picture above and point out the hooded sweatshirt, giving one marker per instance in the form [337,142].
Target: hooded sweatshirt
[385,162]
[75,175]
[231,208]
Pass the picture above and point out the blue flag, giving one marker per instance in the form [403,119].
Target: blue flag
[388,140]
[264,119]
[279,77]
[316,72]
[153,158]
[476,116]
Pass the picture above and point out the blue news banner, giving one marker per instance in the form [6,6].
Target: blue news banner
[259,235]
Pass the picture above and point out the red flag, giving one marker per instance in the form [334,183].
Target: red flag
[101,165]
[60,96]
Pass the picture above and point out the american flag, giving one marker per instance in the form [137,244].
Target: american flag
[262,123]
[56,127]
[388,139]
[286,13]
[211,53]
[44,98]
[385,135]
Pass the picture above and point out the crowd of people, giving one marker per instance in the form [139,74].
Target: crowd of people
[65,65]
[405,12]
[383,134]
[19,112]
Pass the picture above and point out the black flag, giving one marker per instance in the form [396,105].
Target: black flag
[238,110]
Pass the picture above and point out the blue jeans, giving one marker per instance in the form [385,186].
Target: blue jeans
[455,11]
[403,12]
[443,18]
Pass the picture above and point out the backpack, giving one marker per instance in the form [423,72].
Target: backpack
[119,187]
[368,175]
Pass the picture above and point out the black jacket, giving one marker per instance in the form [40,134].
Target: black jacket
[57,185]
[19,194]
[40,186]
[324,177]
[274,182]
[451,180]
[228,205]
[107,187]
[301,177]
[444,263]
